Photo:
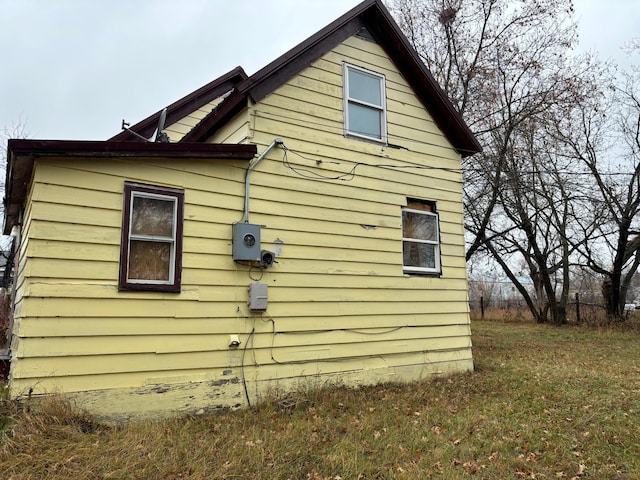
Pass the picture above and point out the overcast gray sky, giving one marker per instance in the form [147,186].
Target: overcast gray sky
[73,69]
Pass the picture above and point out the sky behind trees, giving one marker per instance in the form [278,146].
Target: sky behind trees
[74,69]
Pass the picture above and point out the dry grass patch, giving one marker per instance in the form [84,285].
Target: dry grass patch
[544,403]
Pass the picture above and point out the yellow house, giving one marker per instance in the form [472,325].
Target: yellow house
[300,225]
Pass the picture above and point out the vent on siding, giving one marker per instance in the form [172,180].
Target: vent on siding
[364,34]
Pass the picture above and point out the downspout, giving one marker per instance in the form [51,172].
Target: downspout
[247,182]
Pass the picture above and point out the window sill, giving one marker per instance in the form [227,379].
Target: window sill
[140,287]
[423,274]
[376,141]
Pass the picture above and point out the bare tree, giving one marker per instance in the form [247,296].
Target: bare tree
[535,222]
[501,63]
[507,68]
[17,130]
[603,133]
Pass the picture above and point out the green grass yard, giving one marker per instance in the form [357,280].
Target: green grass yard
[543,403]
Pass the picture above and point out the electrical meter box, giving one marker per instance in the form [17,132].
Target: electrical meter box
[246,242]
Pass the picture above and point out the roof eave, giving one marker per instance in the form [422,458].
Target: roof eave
[265,80]
[388,34]
[21,155]
[373,15]
[187,104]
[109,148]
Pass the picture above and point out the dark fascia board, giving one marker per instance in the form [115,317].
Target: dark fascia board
[109,148]
[22,153]
[388,34]
[373,15]
[267,79]
[185,105]
[285,67]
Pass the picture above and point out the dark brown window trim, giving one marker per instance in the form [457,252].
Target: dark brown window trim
[174,285]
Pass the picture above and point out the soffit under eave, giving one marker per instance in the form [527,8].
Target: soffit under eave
[19,173]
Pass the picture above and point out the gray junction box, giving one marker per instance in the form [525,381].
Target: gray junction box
[246,242]
[258,296]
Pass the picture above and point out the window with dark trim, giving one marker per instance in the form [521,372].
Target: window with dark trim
[151,245]
[420,238]
[365,111]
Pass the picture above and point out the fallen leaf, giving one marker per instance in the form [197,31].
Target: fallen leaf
[470,467]
[532,457]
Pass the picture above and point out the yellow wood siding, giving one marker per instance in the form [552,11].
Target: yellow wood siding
[234,131]
[351,228]
[340,306]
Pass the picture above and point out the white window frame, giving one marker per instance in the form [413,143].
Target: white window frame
[410,269]
[348,100]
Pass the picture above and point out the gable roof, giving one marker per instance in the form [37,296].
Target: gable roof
[371,15]
[185,105]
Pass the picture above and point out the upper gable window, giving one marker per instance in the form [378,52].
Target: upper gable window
[365,113]
[151,246]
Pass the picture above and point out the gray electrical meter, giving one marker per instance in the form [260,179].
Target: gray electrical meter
[246,242]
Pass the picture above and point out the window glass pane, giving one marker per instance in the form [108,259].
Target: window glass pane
[149,260]
[419,255]
[419,226]
[152,216]
[365,121]
[365,88]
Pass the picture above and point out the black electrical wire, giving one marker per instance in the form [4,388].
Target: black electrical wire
[306,332]
[244,380]
[421,142]
[351,174]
